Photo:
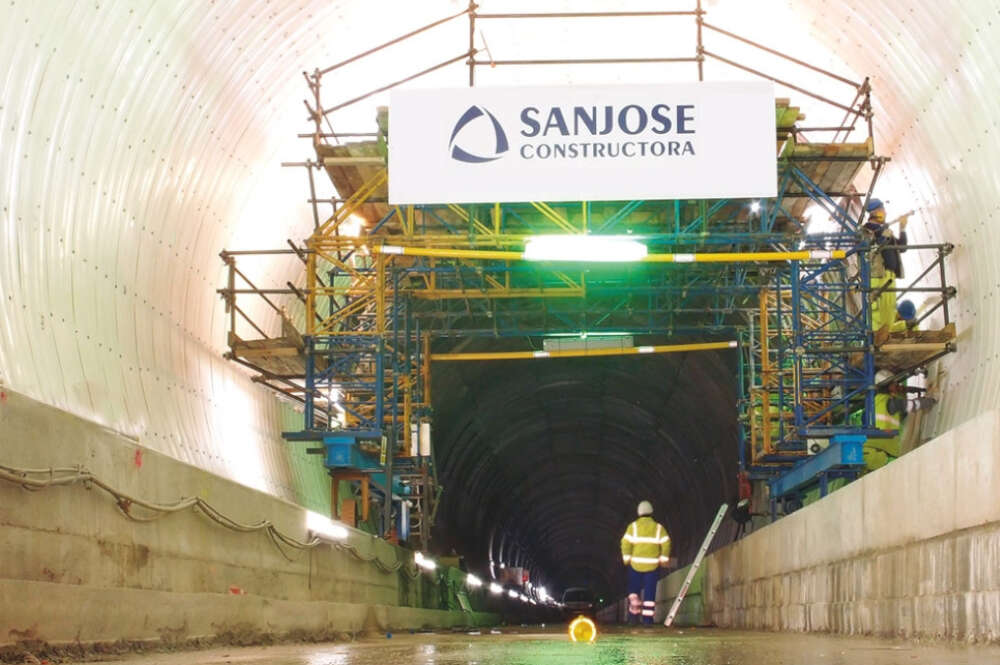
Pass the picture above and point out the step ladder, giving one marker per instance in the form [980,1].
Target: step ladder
[696,565]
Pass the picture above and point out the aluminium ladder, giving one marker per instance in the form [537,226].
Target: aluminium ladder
[697,564]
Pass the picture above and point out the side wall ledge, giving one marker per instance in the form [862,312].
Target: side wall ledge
[911,550]
[74,569]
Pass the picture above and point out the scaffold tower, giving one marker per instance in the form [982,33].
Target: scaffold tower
[388,290]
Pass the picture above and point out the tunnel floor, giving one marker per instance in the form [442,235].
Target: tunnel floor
[615,646]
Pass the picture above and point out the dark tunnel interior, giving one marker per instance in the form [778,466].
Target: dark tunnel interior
[543,462]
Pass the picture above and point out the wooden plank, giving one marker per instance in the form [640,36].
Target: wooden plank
[945,334]
[271,352]
[916,346]
[353,161]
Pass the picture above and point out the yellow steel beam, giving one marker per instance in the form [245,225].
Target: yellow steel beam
[355,201]
[709,257]
[553,215]
[446,240]
[505,292]
[466,216]
[584,353]
[448,253]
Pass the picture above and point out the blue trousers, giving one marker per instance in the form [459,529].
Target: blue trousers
[645,584]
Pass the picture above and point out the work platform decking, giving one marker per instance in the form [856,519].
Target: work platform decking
[796,310]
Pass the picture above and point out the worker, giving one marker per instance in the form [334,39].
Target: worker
[906,316]
[886,266]
[645,549]
[890,406]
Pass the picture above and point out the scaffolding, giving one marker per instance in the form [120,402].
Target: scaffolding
[383,285]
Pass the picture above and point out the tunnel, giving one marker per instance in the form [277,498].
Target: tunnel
[526,447]
[335,329]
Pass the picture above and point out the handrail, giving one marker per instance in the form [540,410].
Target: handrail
[782,55]
[468,54]
[782,82]
[583,61]
[690,12]
[340,64]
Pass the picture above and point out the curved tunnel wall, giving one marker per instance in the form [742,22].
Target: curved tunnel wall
[933,66]
[139,139]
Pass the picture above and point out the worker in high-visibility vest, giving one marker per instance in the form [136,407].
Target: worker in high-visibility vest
[645,548]
[886,266]
[890,405]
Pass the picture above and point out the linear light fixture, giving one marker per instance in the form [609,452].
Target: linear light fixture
[604,249]
[611,249]
[424,562]
[323,527]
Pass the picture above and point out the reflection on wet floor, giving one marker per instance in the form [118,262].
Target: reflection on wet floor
[525,646]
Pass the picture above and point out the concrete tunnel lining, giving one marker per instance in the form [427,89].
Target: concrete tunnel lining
[138,141]
[557,453]
[149,305]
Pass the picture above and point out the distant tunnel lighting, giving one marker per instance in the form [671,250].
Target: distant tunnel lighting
[584,248]
[495,588]
[473,581]
[323,527]
[755,207]
[582,629]
[424,562]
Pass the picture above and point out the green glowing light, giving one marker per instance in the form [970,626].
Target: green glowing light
[585,249]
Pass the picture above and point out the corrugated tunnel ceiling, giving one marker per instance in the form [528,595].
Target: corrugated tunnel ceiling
[141,138]
[544,461]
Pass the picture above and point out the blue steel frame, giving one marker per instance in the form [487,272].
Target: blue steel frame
[819,333]
[717,298]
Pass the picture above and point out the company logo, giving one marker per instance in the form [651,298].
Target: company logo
[500,137]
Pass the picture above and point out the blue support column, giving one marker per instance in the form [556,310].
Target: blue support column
[310,415]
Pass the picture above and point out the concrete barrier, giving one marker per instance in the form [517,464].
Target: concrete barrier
[692,610]
[910,550]
[73,568]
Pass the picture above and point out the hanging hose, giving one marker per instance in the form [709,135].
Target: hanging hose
[36,480]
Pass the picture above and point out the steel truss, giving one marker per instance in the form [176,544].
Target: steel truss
[807,353]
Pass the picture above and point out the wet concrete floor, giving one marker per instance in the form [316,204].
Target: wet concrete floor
[530,646]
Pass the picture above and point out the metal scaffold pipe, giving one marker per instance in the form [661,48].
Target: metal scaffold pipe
[584,353]
[709,257]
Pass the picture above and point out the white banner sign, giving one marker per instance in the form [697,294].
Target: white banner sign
[590,143]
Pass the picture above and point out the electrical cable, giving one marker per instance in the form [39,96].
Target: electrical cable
[36,480]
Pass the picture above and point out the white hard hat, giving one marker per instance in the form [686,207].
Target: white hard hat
[645,508]
[882,375]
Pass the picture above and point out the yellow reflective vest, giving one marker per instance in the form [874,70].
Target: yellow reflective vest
[886,420]
[645,545]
